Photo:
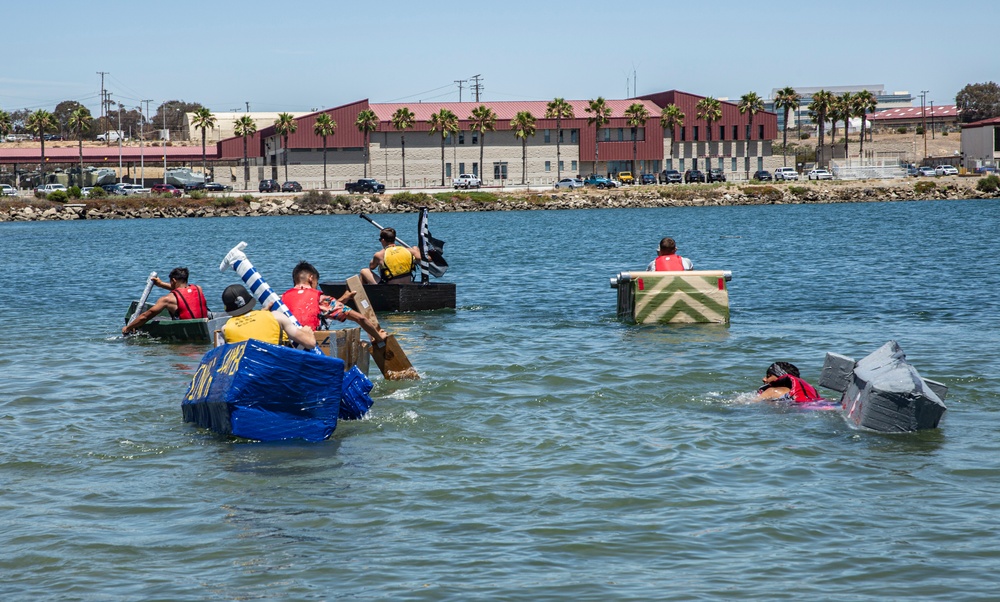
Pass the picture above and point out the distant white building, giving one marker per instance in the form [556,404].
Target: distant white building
[225,124]
[981,143]
[886,100]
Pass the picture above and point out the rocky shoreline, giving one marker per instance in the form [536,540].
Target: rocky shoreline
[315,203]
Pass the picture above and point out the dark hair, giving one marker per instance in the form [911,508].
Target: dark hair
[668,245]
[179,274]
[388,235]
[781,369]
[303,267]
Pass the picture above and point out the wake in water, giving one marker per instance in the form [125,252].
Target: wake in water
[748,398]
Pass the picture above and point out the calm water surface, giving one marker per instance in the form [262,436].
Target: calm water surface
[549,452]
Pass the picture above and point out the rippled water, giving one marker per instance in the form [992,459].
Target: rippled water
[549,452]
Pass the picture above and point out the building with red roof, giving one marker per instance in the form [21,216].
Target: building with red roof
[938,118]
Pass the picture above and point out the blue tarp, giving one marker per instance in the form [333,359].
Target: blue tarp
[266,392]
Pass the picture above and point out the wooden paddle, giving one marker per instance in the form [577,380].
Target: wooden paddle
[390,357]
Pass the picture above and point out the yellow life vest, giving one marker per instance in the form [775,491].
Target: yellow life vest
[260,325]
[395,262]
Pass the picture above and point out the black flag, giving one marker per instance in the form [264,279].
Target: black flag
[431,250]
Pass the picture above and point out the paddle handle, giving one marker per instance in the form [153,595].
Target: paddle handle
[379,226]
[142,299]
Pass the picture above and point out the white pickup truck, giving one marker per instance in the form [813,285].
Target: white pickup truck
[467,181]
[130,189]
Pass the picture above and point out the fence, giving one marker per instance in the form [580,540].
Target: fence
[867,169]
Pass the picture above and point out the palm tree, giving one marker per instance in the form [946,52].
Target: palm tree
[710,110]
[204,121]
[40,123]
[79,123]
[845,110]
[820,107]
[402,120]
[636,115]
[284,125]
[751,104]
[558,109]
[483,120]
[324,126]
[244,128]
[786,98]
[671,117]
[523,125]
[864,103]
[600,116]
[444,122]
[367,123]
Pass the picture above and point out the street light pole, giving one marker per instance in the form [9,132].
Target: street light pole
[120,170]
[932,120]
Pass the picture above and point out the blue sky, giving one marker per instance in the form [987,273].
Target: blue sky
[302,55]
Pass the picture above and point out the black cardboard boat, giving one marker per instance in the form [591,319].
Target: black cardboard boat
[410,296]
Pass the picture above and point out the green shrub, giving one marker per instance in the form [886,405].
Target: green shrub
[990,183]
[804,136]
[315,199]
[766,193]
[797,189]
[922,187]
[97,193]
[246,198]
[920,130]
[417,199]
[197,194]
[944,133]
[74,192]
[58,196]
[225,201]
[901,130]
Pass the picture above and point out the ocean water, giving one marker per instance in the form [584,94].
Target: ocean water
[549,452]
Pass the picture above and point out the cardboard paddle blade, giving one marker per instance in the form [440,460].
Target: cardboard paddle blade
[390,358]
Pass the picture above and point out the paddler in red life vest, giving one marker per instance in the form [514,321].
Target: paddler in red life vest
[308,304]
[782,381]
[185,301]
[667,259]
[394,263]
[247,323]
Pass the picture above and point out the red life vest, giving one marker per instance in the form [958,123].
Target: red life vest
[304,305]
[799,390]
[669,263]
[191,304]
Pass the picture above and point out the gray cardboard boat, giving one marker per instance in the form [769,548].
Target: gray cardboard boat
[883,392]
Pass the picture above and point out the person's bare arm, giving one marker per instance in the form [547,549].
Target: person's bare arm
[303,335]
[161,283]
[415,251]
[376,260]
[773,393]
[164,302]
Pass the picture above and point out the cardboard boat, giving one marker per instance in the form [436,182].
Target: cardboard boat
[265,392]
[164,328]
[883,392]
[693,296]
[410,296]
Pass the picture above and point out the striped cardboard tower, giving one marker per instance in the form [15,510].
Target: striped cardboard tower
[673,297]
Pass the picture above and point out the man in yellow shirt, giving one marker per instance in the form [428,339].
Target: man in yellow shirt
[394,263]
[247,323]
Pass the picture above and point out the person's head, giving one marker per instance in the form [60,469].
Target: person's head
[668,246]
[387,236]
[237,300]
[179,276]
[305,273]
[779,369]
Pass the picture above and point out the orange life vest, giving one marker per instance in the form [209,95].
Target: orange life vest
[670,263]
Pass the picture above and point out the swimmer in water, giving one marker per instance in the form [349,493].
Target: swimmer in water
[782,381]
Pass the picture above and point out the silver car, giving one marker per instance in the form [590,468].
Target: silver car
[7,190]
[569,183]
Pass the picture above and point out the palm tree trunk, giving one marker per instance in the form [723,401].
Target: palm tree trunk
[204,161]
[324,162]
[41,136]
[861,152]
[635,150]
[442,159]
[402,144]
[822,131]
[746,162]
[284,154]
[784,141]
[246,165]
[847,136]
[80,138]
[597,147]
[524,161]
[482,141]
[558,149]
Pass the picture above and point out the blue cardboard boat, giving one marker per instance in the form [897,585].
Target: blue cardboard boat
[265,392]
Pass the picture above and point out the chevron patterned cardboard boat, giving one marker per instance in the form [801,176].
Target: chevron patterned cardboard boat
[673,297]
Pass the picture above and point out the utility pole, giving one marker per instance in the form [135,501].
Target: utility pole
[923,113]
[120,171]
[460,82]
[478,87]
[248,106]
[102,74]
[106,102]
[142,135]
[932,120]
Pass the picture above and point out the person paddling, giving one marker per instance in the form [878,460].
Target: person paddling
[185,301]
[267,326]
[394,263]
[667,259]
[782,381]
[308,304]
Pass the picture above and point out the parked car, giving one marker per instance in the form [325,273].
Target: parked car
[130,189]
[926,170]
[85,191]
[269,186]
[569,183]
[762,175]
[7,190]
[912,172]
[987,170]
[716,175]
[114,189]
[599,182]
[466,181]
[647,178]
[291,186]
[945,170]
[786,173]
[625,177]
[819,174]
[166,189]
[671,176]
[194,186]
[369,185]
[217,187]
[693,175]
[47,188]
